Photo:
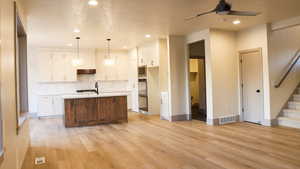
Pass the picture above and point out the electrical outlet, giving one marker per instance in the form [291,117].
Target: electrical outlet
[40,160]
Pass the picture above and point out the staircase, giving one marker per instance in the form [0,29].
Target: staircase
[291,115]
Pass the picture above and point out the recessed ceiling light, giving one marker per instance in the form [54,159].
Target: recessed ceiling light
[236,22]
[93,2]
[70,44]
[76,30]
[148,36]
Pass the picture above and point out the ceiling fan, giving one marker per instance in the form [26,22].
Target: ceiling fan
[224,8]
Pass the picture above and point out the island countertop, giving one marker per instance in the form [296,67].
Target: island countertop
[93,95]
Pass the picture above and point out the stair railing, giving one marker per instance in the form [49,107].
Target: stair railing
[290,68]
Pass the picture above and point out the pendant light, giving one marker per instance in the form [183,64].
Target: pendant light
[108,60]
[76,61]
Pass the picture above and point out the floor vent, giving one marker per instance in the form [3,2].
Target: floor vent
[226,120]
[40,160]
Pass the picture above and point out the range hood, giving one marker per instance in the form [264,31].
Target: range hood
[86,71]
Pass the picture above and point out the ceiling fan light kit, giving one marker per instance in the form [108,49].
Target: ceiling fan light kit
[224,8]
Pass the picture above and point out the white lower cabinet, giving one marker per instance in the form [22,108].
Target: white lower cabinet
[50,106]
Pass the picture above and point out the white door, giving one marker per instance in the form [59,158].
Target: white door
[252,86]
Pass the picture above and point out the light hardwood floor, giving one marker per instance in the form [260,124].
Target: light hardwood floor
[146,142]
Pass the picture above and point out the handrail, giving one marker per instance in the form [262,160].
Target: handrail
[293,63]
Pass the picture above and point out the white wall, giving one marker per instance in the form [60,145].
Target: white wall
[253,38]
[283,45]
[179,76]
[221,62]
[15,145]
[196,37]
[224,73]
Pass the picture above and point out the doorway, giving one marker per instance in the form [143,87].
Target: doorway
[197,80]
[252,86]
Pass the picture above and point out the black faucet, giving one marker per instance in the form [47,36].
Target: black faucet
[90,90]
[97,88]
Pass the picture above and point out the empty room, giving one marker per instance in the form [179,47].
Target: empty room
[136,84]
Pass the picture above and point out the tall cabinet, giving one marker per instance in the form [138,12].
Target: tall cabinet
[148,68]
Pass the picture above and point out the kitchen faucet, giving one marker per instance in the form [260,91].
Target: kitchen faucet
[97,88]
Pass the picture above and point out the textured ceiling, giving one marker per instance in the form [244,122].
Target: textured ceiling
[51,22]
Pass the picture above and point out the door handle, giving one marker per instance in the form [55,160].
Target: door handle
[257,91]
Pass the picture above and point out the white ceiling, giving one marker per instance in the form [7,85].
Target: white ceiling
[51,22]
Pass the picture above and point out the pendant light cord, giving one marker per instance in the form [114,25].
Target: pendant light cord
[78,38]
[108,48]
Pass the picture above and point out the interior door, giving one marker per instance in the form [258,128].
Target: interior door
[252,86]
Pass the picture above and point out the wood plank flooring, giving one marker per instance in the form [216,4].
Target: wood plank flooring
[146,142]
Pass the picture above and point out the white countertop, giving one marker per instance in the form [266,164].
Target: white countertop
[92,95]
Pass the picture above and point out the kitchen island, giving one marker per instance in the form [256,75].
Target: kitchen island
[92,109]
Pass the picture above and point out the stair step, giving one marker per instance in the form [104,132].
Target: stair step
[296,97]
[294,105]
[291,113]
[289,122]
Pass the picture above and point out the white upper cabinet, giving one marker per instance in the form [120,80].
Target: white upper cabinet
[142,56]
[116,71]
[45,67]
[87,59]
[149,54]
[56,67]
[70,72]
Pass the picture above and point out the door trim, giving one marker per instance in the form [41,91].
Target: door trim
[188,77]
[241,52]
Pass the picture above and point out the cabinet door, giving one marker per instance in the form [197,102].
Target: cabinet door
[105,109]
[70,74]
[111,72]
[120,108]
[101,68]
[58,105]
[152,54]
[141,57]
[45,67]
[59,67]
[45,106]
[85,110]
[122,68]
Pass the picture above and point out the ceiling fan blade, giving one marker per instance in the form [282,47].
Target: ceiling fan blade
[243,13]
[201,14]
